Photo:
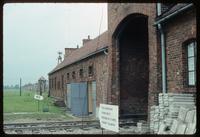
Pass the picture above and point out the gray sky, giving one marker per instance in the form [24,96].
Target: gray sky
[34,33]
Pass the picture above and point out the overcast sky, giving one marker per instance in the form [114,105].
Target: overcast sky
[34,33]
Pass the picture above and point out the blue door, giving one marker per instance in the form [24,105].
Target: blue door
[79,103]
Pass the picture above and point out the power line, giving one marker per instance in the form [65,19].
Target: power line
[100,26]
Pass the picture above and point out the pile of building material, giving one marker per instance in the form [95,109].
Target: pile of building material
[142,127]
[175,114]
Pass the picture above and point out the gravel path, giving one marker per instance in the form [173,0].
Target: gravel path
[127,130]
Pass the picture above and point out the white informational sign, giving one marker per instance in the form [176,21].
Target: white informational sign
[38,97]
[109,117]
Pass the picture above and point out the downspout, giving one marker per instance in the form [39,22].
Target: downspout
[106,53]
[162,39]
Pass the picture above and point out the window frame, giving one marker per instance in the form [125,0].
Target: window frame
[187,61]
[90,70]
[73,75]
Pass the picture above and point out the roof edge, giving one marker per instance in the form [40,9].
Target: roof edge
[87,56]
[165,18]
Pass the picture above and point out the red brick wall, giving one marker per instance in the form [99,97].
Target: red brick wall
[179,30]
[100,67]
[116,13]
[107,67]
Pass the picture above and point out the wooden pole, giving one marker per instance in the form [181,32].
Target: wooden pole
[38,105]
[40,82]
[20,87]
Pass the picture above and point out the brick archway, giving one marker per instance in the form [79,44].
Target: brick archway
[130,40]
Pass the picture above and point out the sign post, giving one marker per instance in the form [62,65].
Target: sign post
[38,97]
[109,117]
[38,105]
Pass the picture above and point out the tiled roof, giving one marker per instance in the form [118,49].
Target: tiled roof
[172,10]
[90,47]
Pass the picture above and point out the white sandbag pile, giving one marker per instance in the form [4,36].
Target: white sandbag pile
[175,114]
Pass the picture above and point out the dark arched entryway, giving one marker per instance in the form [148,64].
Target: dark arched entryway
[131,41]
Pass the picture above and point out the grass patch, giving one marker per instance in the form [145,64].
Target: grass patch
[13,102]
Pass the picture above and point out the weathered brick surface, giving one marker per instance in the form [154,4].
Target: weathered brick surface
[100,66]
[114,81]
[179,30]
[116,13]
[134,67]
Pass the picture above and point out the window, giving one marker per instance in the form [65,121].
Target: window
[191,63]
[90,70]
[73,75]
[67,76]
[81,73]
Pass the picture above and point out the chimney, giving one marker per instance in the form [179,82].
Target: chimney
[68,51]
[86,40]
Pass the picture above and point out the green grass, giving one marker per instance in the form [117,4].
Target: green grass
[19,108]
[36,116]
[13,102]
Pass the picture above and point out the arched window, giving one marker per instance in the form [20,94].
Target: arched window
[90,70]
[73,74]
[191,62]
[81,73]
[67,76]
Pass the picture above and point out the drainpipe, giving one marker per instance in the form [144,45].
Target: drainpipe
[162,38]
[106,53]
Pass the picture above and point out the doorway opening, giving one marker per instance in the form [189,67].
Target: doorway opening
[131,38]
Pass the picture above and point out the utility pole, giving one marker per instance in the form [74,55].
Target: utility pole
[20,87]
[40,83]
[59,57]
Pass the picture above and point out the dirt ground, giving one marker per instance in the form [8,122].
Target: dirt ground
[39,117]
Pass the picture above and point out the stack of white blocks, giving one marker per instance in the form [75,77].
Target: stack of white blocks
[154,119]
[172,107]
[142,127]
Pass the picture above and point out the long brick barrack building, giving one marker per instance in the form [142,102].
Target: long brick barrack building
[149,48]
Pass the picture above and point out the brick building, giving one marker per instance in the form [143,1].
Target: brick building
[86,64]
[148,48]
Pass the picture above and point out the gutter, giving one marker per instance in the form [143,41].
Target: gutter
[173,14]
[163,52]
[84,57]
